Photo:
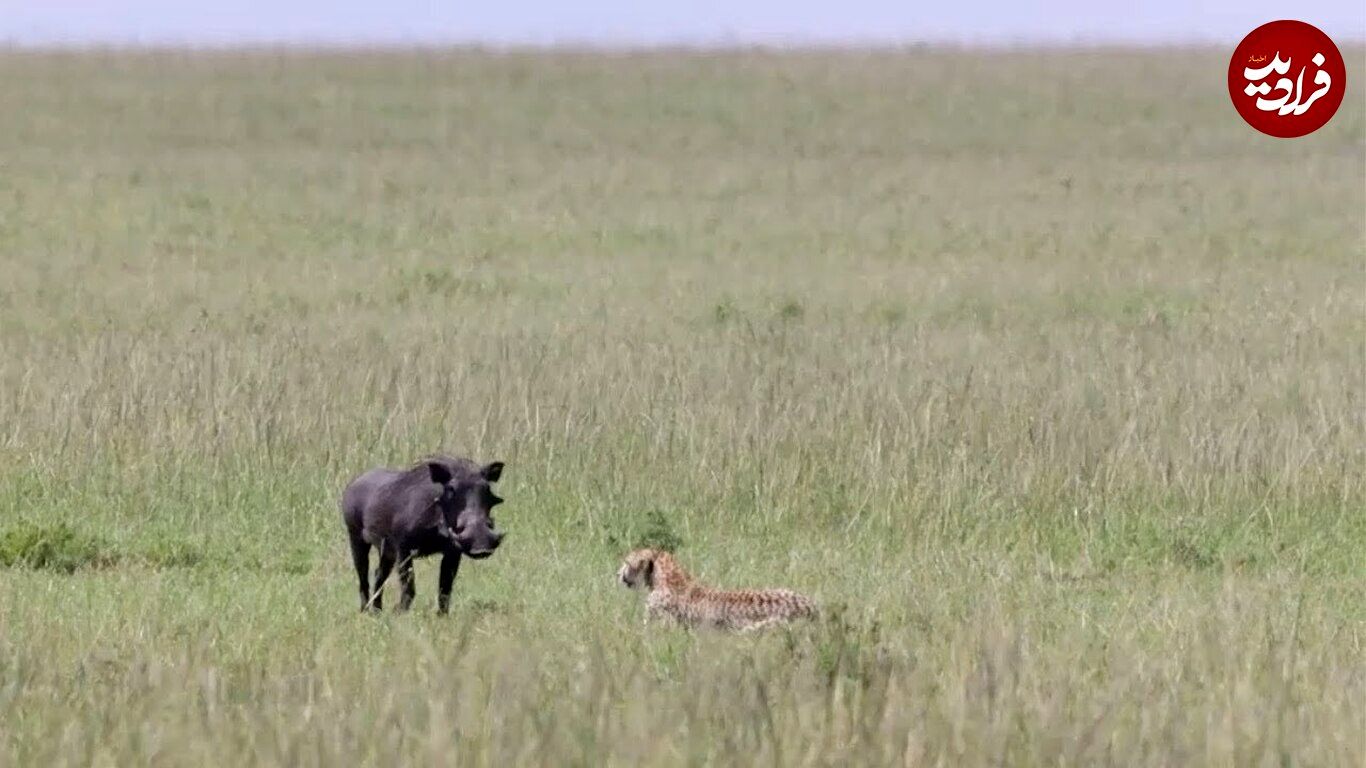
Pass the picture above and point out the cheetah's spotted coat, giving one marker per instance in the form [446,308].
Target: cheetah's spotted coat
[673,593]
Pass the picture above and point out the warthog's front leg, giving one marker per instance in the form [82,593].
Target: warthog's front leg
[450,566]
[382,571]
[406,580]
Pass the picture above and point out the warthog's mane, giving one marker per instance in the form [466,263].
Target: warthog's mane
[419,473]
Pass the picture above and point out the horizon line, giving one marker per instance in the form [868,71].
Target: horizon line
[588,45]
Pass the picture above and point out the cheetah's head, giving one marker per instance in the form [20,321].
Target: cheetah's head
[638,569]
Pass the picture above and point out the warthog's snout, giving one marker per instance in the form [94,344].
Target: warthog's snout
[483,547]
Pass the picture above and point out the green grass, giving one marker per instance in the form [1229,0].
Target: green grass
[57,547]
[1042,371]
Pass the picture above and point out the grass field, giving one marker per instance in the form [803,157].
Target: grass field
[1042,371]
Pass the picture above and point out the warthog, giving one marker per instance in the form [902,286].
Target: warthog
[439,505]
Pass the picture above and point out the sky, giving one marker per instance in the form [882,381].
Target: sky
[612,23]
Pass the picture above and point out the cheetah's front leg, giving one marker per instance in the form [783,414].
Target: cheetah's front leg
[651,611]
[760,625]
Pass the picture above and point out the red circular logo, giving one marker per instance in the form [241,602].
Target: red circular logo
[1286,78]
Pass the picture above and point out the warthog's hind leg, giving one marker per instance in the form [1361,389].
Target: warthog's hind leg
[360,557]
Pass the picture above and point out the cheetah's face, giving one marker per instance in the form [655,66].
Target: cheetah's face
[637,569]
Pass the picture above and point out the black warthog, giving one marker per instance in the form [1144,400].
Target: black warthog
[440,505]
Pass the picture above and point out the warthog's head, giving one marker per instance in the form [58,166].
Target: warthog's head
[466,502]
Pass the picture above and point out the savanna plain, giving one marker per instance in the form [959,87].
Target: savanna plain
[1040,370]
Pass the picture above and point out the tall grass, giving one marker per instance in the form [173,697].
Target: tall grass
[1042,371]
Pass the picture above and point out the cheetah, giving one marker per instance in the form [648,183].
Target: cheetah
[674,594]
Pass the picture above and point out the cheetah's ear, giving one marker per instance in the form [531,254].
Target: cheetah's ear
[649,573]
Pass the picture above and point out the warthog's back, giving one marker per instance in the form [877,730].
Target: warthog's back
[370,502]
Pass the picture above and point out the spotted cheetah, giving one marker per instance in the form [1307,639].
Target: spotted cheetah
[674,594]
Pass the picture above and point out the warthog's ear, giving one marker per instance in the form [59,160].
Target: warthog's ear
[440,474]
[493,471]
